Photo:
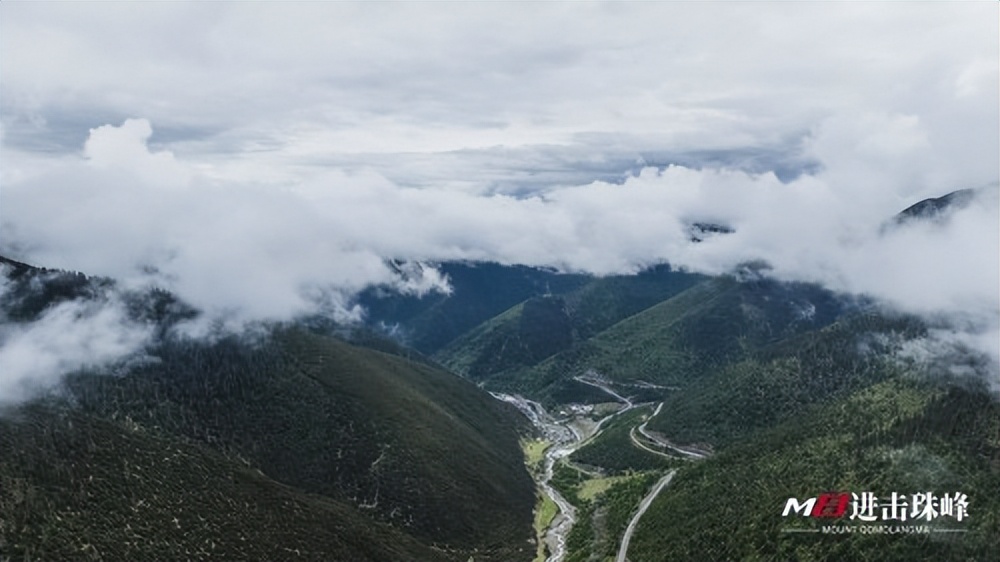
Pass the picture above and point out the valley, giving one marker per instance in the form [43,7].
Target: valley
[528,415]
[499,281]
[562,436]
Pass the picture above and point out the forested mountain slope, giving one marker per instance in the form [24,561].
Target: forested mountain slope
[684,337]
[907,435]
[376,456]
[543,326]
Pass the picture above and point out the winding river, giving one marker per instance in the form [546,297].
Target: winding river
[568,434]
[565,438]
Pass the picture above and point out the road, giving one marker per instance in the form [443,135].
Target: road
[643,506]
[637,443]
[605,388]
[565,440]
[689,451]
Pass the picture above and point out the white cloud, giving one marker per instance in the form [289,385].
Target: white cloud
[71,336]
[257,247]
[124,148]
[280,152]
[302,83]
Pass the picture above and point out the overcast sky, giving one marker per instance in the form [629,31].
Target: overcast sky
[255,155]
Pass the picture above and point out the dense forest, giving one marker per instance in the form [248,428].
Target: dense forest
[284,439]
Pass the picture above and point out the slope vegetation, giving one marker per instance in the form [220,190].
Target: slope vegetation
[683,338]
[900,435]
[272,430]
[79,487]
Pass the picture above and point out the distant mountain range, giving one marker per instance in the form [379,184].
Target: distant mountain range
[375,442]
[796,389]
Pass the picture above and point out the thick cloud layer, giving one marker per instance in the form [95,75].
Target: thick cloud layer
[275,158]
[452,96]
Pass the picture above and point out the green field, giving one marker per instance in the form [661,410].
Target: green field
[534,453]
[545,512]
[590,489]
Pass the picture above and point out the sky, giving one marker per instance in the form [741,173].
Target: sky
[260,158]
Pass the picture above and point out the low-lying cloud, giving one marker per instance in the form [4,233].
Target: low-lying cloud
[274,161]
[71,336]
[266,251]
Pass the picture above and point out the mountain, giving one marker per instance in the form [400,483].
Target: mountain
[543,326]
[256,447]
[731,393]
[774,383]
[751,391]
[81,487]
[936,207]
[780,404]
[682,338]
[479,291]
[907,435]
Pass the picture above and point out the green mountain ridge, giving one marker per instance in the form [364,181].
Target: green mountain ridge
[376,455]
[541,327]
[774,383]
[824,409]
[682,338]
[901,435]
[798,392]
[79,487]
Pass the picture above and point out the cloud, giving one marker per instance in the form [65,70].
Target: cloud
[969,351]
[269,87]
[144,218]
[258,247]
[71,336]
[276,158]
[124,148]
[244,251]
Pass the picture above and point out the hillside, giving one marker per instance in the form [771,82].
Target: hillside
[542,326]
[479,291]
[684,337]
[775,383]
[312,427]
[797,411]
[80,487]
[827,409]
[786,390]
[902,435]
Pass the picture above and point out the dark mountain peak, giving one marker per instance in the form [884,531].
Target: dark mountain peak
[698,231]
[936,208]
[17,268]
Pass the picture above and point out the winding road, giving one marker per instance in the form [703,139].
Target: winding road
[689,451]
[643,506]
[566,439]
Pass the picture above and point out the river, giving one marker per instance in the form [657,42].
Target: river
[565,438]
